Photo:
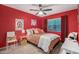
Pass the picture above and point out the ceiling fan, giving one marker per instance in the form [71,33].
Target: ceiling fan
[41,9]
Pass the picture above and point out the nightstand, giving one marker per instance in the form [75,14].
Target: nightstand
[70,47]
[23,40]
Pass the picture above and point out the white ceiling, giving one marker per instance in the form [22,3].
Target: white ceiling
[56,8]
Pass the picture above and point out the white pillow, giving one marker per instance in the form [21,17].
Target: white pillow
[29,32]
[73,34]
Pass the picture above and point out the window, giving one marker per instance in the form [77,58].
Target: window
[54,25]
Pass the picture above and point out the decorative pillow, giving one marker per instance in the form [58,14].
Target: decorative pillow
[29,32]
[38,31]
[73,35]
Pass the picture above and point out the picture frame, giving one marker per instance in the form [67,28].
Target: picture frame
[33,22]
[19,24]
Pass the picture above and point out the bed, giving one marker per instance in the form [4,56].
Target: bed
[35,38]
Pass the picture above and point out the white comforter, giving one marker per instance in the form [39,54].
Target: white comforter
[45,41]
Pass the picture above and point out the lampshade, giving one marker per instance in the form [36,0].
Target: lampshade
[23,31]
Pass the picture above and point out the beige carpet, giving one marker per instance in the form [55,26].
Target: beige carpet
[27,49]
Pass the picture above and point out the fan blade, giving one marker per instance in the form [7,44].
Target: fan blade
[44,13]
[47,10]
[34,10]
[37,13]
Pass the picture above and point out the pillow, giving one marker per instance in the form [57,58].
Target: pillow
[38,31]
[73,35]
[29,32]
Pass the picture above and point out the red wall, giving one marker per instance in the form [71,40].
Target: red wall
[8,16]
[7,21]
[78,23]
[78,33]
[72,19]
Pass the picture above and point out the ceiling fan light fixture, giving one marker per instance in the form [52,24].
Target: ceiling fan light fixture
[40,13]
